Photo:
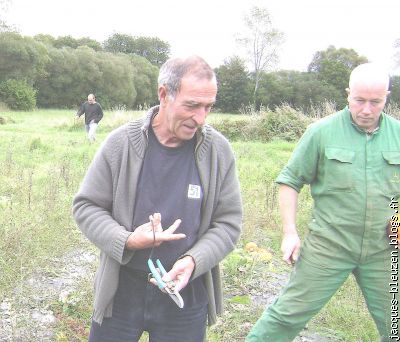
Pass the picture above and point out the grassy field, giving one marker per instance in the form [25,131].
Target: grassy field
[43,157]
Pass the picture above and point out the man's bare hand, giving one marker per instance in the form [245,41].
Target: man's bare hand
[290,247]
[180,273]
[142,237]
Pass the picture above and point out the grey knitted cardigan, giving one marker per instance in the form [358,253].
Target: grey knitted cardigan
[103,208]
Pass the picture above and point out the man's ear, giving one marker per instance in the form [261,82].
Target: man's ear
[162,94]
[348,94]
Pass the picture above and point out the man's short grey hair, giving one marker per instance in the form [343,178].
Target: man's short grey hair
[174,69]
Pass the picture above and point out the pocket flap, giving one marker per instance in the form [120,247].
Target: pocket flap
[392,157]
[340,154]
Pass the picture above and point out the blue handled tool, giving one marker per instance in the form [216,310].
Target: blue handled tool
[168,287]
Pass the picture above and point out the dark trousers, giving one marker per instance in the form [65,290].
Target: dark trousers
[140,306]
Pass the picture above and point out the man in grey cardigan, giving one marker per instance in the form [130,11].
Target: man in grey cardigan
[173,164]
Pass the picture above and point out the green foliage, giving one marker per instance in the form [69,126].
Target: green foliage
[284,122]
[333,66]
[234,89]
[65,41]
[17,95]
[153,49]
[46,39]
[35,144]
[232,129]
[74,73]
[93,44]
[68,41]
[65,70]
[116,87]
[394,96]
[21,58]
[298,89]
[145,81]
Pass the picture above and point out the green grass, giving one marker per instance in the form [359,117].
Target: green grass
[43,157]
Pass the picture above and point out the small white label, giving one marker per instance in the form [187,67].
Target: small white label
[194,191]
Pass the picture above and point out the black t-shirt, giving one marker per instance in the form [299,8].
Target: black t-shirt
[169,184]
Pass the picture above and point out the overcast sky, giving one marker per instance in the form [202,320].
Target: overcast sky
[208,27]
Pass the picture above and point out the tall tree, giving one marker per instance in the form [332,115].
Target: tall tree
[261,41]
[394,97]
[233,85]
[21,58]
[145,81]
[153,49]
[333,66]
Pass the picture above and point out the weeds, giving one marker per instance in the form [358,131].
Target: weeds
[284,122]
[41,166]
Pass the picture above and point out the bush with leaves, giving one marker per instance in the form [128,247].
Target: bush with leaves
[232,129]
[18,95]
[284,122]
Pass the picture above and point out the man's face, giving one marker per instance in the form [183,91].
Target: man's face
[90,99]
[366,103]
[188,111]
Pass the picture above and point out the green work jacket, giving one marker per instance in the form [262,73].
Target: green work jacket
[354,177]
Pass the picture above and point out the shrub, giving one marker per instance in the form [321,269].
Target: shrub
[393,109]
[17,95]
[284,122]
[232,129]
[35,144]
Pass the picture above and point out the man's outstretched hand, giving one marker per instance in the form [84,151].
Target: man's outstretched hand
[142,237]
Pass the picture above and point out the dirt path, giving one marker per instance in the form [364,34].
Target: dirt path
[272,285]
[26,316]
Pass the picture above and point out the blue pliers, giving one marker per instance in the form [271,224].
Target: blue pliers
[168,287]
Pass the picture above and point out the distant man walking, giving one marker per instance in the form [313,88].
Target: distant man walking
[93,114]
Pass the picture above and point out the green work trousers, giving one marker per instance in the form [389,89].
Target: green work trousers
[314,281]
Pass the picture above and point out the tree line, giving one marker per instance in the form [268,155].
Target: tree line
[48,72]
[325,81]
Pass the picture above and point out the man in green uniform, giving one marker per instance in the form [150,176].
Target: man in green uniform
[352,162]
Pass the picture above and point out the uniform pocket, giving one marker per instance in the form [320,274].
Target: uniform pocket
[391,172]
[339,169]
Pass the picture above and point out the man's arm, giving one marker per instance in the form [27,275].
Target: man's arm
[288,199]
[81,110]
[301,169]
[99,113]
